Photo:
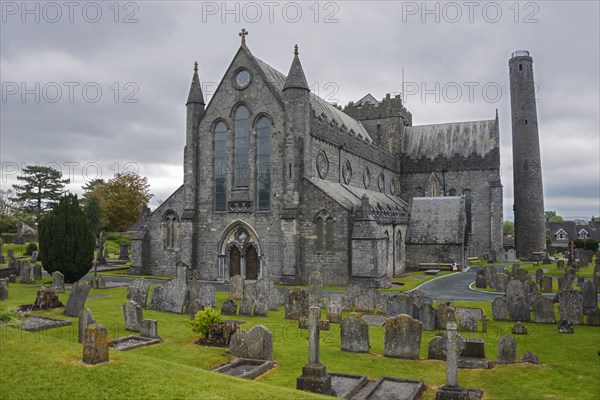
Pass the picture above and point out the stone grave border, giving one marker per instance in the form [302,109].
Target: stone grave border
[261,366]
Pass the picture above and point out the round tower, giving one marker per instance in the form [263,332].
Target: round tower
[527,169]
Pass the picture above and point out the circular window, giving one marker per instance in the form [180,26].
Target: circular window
[242,78]
[393,186]
[322,164]
[367,177]
[347,172]
[381,182]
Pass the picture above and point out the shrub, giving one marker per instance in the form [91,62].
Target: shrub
[203,321]
[31,247]
[588,244]
[67,240]
[8,237]
[117,238]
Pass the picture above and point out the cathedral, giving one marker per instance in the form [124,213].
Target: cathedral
[279,183]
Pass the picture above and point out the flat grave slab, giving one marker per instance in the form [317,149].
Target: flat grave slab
[347,385]
[473,363]
[99,296]
[132,342]
[37,323]
[387,388]
[432,271]
[246,368]
[373,320]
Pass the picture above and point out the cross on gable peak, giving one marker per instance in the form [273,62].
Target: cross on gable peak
[243,35]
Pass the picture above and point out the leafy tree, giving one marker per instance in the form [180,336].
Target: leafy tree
[92,207]
[42,187]
[508,228]
[556,218]
[121,198]
[91,185]
[549,214]
[66,239]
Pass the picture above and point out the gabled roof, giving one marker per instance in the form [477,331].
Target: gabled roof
[573,228]
[437,220]
[367,99]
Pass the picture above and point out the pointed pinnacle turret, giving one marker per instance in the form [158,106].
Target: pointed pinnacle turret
[195,95]
[296,78]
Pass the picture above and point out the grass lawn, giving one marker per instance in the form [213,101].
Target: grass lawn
[47,364]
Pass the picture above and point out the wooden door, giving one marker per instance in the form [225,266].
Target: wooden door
[234,261]
[252,263]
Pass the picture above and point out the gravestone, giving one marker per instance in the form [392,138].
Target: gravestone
[402,337]
[95,344]
[529,357]
[512,255]
[276,299]
[261,307]
[157,298]
[589,294]
[170,297]
[229,307]
[562,283]
[543,311]
[443,315]
[560,264]
[519,329]
[138,291]
[195,306]
[124,252]
[315,289]
[531,291]
[132,312]
[453,349]
[256,344]
[58,282]
[85,319]
[507,350]
[565,326]
[381,305]
[366,300]
[435,348]
[480,281]
[246,307]
[34,257]
[490,275]
[37,272]
[77,298]
[314,376]
[149,329]
[523,275]
[24,272]
[208,296]
[354,334]
[570,306]
[352,292]
[296,305]
[334,308]
[250,291]
[236,287]
[3,289]
[501,282]
[517,301]
[468,318]
[264,291]
[546,284]
[399,304]
[593,317]
[181,270]
[427,317]
[500,309]
[539,273]
[501,255]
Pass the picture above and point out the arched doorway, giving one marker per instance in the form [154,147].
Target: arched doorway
[252,263]
[234,261]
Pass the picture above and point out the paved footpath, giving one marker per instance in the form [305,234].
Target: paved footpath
[455,287]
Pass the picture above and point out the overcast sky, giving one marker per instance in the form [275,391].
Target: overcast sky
[99,87]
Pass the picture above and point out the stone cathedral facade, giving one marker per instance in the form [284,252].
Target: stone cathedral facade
[280,183]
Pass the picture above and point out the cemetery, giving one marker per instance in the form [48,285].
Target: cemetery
[357,343]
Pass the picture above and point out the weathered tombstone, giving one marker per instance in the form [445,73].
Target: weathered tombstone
[366,300]
[34,257]
[315,289]
[480,281]
[334,308]
[256,344]
[427,316]
[519,329]
[195,306]
[354,334]
[95,344]
[236,287]
[539,273]
[490,274]
[37,272]
[149,329]
[565,326]
[132,312]
[560,264]
[98,282]
[85,319]
[124,252]
[546,284]
[276,299]
[171,297]
[264,302]
[467,322]
[563,283]
[452,351]
[435,347]
[24,272]
[529,357]
[58,282]
[593,317]
[352,291]
[501,255]
[523,275]
[296,305]
[517,301]
[543,311]
[512,255]
[138,291]
[500,309]
[229,307]
[402,337]
[77,298]
[314,376]
[250,291]
[246,307]
[12,278]
[589,293]
[399,304]
[501,282]
[443,315]
[507,350]
[570,306]
[381,304]
[3,289]
[208,296]
[531,291]
[157,298]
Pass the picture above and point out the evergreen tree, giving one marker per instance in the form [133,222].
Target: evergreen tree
[66,239]
[42,187]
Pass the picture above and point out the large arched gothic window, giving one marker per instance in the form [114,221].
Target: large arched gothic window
[263,164]
[220,162]
[170,230]
[241,146]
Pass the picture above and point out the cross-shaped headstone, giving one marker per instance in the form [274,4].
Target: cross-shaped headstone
[314,325]
[243,35]
[453,348]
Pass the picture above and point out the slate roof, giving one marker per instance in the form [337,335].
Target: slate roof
[447,140]
[572,228]
[437,220]
[367,99]
[319,106]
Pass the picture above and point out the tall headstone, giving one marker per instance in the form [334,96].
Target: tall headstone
[334,308]
[543,311]
[37,272]
[95,344]
[138,291]
[3,289]
[149,329]
[132,312]
[443,315]
[399,304]
[58,282]
[246,307]
[570,306]
[546,284]
[236,287]
[512,255]
[208,296]
[315,289]
[517,301]
[402,337]
[85,319]
[354,334]
[229,307]
[77,298]
[589,293]
[500,309]
[507,350]
[480,281]
[24,272]
[501,282]
[296,305]
[195,306]
[250,291]
[452,352]
[366,300]
[427,316]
